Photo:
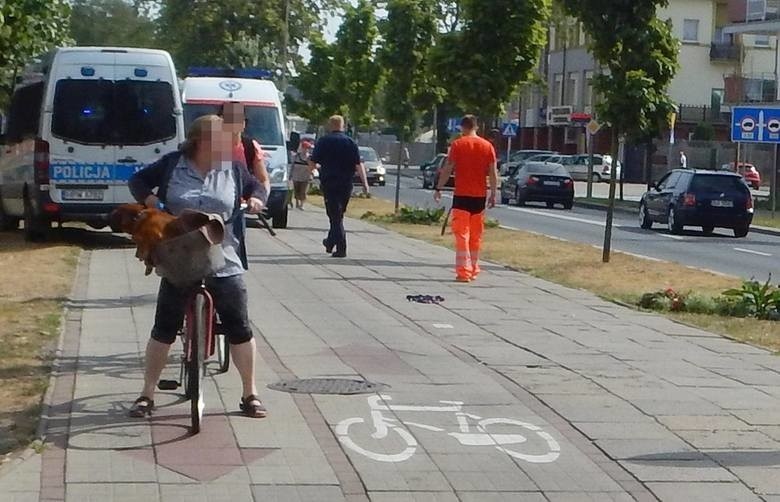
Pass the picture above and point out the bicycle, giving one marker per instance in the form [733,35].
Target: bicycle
[478,436]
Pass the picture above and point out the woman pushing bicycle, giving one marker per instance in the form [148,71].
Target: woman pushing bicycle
[201,176]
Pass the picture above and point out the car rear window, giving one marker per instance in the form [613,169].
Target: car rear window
[716,183]
[127,112]
[548,169]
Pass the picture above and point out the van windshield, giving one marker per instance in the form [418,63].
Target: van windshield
[127,112]
[262,122]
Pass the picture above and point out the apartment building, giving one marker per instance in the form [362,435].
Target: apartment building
[711,59]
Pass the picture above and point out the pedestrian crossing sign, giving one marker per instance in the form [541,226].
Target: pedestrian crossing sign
[510,129]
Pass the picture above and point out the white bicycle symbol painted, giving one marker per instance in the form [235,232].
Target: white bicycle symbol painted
[478,435]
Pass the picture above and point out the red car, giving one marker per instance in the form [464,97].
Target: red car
[747,171]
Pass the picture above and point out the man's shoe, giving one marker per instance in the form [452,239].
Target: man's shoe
[328,247]
[340,254]
[461,278]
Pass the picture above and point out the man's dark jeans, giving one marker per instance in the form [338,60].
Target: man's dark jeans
[337,197]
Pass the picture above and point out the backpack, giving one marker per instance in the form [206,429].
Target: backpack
[250,152]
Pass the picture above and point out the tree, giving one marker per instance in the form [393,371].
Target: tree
[408,35]
[496,49]
[356,73]
[640,56]
[320,99]
[111,22]
[28,28]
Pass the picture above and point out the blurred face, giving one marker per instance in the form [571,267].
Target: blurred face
[216,143]
[233,114]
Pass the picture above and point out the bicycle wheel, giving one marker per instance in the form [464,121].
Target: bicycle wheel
[405,441]
[223,353]
[504,432]
[195,364]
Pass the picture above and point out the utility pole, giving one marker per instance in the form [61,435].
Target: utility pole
[285,45]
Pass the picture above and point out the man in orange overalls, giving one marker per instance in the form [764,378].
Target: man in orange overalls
[473,160]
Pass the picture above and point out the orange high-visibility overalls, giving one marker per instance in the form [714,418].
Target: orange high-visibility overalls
[472,157]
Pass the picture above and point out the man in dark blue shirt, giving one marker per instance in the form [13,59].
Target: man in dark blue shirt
[338,157]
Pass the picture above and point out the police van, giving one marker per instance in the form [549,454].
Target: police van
[206,90]
[81,121]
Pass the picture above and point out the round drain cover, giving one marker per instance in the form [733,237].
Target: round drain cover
[343,386]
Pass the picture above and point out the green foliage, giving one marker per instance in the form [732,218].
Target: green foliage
[315,189]
[408,35]
[238,33]
[704,132]
[356,73]
[111,22]
[411,215]
[639,53]
[28,28]
[315,81]
[761,299]
[496,49]
[492,223]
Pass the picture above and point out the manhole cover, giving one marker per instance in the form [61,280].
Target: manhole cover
[342,386]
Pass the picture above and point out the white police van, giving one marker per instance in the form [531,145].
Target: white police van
[81,122]
[205,90]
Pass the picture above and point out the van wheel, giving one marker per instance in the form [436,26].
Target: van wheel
[707,230]
[7,223]
[595,178]
[280,220]
[35,227]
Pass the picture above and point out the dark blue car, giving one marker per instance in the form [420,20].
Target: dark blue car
[698,198]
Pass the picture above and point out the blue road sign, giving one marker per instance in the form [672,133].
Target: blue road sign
[755,125]
[453,125]
[509,129]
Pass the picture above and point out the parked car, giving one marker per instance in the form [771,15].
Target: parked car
[706,199]
[602,168]
[375,171]
[539,182]
[433,161]
[747,171]
[431,174]
[519,156]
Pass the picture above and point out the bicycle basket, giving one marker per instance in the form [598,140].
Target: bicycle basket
[194,255]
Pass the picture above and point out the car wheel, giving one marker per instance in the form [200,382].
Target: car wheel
[672,222]
[280,220]
[34,226]
[426,185]
[740,232]
[707,230]
[568,204]
[595,177]
[644,218]
[518,200]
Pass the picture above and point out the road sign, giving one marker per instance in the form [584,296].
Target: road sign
[593,127]
[453,125]
[509,129]
[755,125]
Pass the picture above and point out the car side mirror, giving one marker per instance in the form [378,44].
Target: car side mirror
[294,143]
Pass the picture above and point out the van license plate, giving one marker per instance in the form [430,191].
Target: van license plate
[722,203]
[82,195]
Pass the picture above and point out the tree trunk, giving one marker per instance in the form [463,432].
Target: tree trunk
[398,176]
[606,255]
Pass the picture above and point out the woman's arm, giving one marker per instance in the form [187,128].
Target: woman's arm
[142,183]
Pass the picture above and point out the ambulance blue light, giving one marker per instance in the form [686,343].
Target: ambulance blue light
[140,72]
[87,71]
[207,71]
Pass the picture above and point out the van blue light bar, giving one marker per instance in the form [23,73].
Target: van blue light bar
[206,71]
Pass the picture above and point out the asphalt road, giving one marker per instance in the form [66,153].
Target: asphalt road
[755,256]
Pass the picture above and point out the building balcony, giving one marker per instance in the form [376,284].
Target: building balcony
[746,11]
[725,51]
[750,88]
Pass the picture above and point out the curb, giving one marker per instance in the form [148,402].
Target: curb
[618,209]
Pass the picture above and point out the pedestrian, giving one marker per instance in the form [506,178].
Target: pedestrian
[301,174]
[405,157]
[473,160]
[338,158]
[201,176]
[683,160]
[246,150]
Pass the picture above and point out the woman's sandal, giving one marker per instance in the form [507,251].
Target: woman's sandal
[253,407]
[142,407]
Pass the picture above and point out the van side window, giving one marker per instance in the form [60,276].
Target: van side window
[25,112]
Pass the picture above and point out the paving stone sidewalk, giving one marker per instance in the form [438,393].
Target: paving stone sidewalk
[512,389]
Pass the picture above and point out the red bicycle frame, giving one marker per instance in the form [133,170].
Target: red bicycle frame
[208,306]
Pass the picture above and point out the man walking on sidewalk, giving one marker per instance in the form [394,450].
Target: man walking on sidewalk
[338,157]
[473,160]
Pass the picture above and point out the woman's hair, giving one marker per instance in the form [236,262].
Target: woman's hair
[200,127]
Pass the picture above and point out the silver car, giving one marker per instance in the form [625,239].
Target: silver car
[375,171]
[602,167]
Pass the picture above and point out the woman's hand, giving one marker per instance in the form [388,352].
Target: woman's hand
[254,205]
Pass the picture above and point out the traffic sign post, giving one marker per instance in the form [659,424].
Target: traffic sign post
[592,127]
[509,130]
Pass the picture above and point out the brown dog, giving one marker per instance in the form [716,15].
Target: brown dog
[148,227]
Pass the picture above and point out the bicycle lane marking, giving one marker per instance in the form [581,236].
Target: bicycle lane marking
[383,426]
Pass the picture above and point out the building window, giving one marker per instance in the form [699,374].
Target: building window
[761,40]
[557,90]
[572,90]
[588,97]
[690,30]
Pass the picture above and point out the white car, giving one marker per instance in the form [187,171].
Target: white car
[602,167]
